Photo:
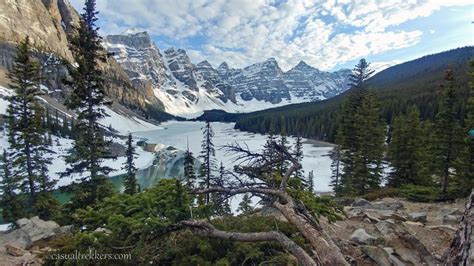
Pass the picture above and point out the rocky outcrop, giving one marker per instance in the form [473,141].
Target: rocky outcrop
[396,232]
[50,24]
[32,231]
[44,21]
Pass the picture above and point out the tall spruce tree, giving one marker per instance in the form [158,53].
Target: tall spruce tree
[269,153]
[465,161]
[208,154]
[189,174]
[360,137]
[336,169]
[285,145]
[245,206]
[406,150]
[10,201]
[448,133]
[371,136]
[220,202]
[26,130]
[130,180]
[87,100]
[298,153]
[310,181]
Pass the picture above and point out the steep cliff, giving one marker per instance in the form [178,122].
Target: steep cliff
[50,25]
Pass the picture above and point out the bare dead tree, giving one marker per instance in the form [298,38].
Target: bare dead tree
[252,174]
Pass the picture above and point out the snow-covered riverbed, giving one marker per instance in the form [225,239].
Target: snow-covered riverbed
[176,134]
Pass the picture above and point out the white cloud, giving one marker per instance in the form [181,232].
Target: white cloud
[379,66]
[242,32]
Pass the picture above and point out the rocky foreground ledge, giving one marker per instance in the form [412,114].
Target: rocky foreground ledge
[398,232]
[390,231]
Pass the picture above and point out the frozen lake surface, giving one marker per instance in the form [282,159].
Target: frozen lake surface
[176,133]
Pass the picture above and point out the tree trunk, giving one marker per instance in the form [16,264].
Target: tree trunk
[207,230]
[461,250]
[328,252]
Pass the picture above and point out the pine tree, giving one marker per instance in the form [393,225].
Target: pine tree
[358,122]
[336,169]
[220,201]
[245,206]
[465,162]
[9,199]
[299,156]
[371,136]
[447,130]
[208,154]
[270,155]
[310,181]
[189,175]
[26,130]
[406,150]
[87,100]
[284,144]
[347,121]
[130,180]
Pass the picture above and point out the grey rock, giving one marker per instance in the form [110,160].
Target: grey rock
[450,211]
[393,206]
[384,227]
[360,236]
[361,203]
[417,217]
[38,229]
[451,219]
[103,230]
[18,238]
[14,250]
[377,254]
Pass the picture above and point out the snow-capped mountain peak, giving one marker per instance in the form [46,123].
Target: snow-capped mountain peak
[187,89]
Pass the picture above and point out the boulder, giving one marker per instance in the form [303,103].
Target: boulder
[392,206]
[451,219]
[38,229]
[361,203]
[14,250]
[450,211]
[64,230]
[354,212]
[360,236]
[377,254]
[18,238]
[103,230]
[417,217]
[384,227]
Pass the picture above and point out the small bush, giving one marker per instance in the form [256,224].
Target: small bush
[419,193]
[386,192]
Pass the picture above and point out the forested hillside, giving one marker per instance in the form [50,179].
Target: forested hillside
[417,82]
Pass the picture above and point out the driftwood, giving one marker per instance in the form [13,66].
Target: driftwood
[324,250]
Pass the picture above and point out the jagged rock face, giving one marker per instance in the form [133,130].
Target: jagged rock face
[184,87]
[310,83]
[181,67]
[42,21]
[140,58]
[262,81]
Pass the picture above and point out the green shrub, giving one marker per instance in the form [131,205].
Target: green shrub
[385,192]
[420,193]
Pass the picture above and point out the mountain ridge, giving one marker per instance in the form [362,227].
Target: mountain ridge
[187,85]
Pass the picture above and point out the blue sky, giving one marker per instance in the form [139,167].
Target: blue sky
[328,35]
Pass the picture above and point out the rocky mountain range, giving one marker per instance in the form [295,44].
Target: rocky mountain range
[186,89]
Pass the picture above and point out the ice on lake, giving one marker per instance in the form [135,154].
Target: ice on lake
[178,134]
